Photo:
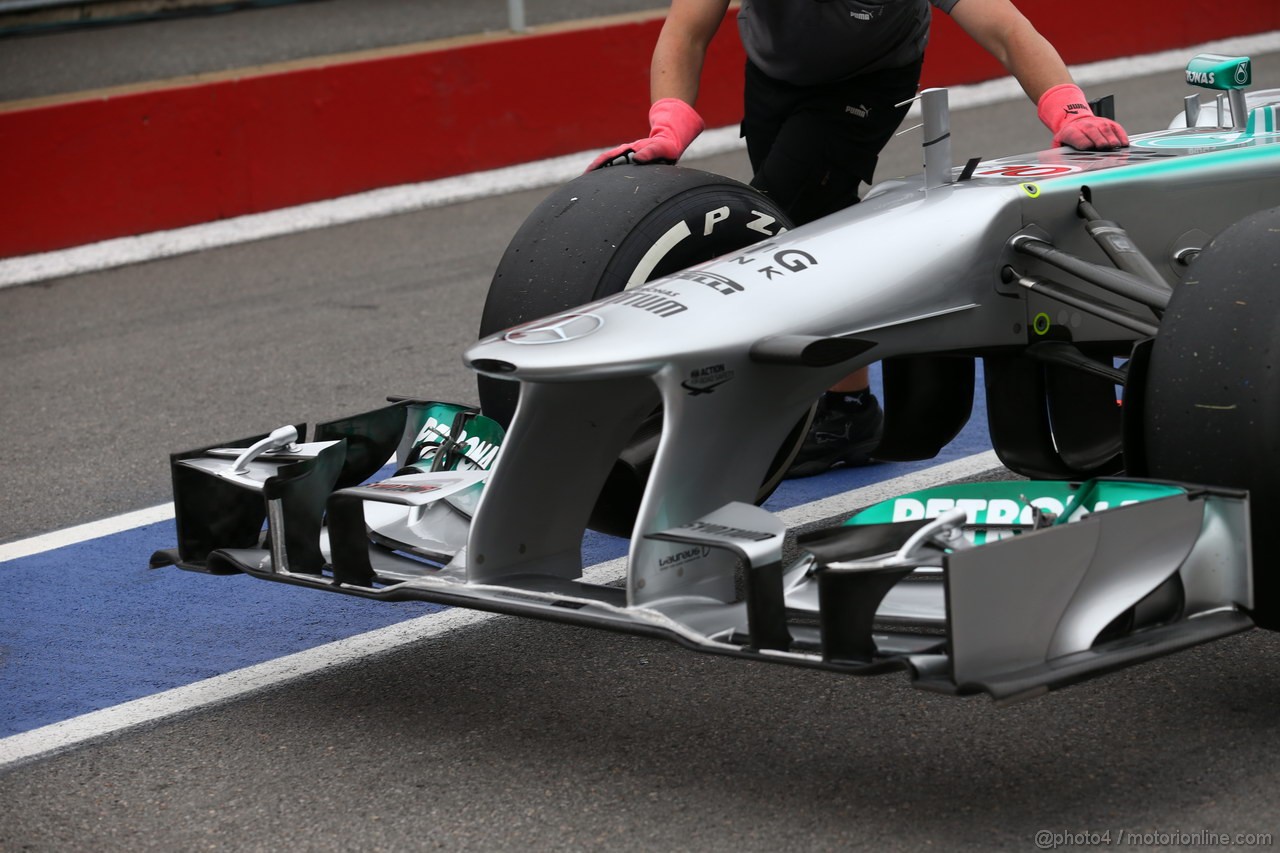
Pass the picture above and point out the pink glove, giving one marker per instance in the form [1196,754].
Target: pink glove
[673,125]
[1063,110]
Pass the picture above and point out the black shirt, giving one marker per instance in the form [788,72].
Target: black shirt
[810,42]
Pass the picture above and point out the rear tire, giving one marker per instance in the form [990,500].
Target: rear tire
[1212,397]
[599,234]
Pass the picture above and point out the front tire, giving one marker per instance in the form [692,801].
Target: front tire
[600,234]
[1212,396]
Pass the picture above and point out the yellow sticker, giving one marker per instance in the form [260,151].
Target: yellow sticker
[1032,190]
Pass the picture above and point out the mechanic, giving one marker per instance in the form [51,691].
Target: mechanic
[824,81]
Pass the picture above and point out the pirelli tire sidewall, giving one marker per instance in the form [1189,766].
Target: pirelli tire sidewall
[1212,393]
[594,237]
[587,240]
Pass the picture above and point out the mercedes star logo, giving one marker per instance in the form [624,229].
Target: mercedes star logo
[555,330]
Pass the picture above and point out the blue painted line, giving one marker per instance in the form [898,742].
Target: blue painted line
[89,626]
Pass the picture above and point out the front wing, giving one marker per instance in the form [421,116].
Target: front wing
[1008,588]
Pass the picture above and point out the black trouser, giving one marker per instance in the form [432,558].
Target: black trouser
[811,146]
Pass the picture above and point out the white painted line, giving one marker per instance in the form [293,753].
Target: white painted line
[275,223]
[1173,60]
[56,737]
[403,199]
[1106,71]
[84,532]
[165,512]
[846,503]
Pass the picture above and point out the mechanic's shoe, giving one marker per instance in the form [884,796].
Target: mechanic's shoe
[846,428]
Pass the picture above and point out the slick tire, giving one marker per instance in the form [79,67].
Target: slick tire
[599,234]
[1212,393]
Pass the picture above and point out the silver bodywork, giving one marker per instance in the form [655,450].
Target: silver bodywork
[910,270]
[735,350]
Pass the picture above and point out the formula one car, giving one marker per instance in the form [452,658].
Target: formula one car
[652,344]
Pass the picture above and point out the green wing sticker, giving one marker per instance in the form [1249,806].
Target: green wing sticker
[449,437]
[1013,503]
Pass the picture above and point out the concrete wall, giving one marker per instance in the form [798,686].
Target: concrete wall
[113,163]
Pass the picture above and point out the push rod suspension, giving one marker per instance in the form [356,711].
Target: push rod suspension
[1078,299]
[1120,247]
[1114,281]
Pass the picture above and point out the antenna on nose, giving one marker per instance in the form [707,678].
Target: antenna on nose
[936,122]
